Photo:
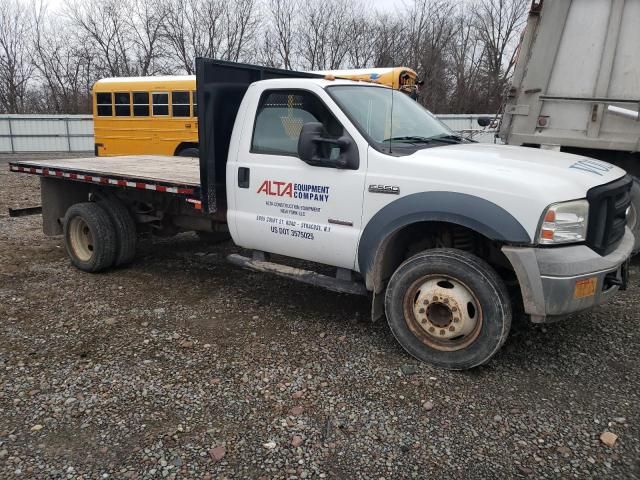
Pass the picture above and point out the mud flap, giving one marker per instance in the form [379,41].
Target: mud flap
[377,306]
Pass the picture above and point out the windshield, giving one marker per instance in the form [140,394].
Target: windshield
[370,109]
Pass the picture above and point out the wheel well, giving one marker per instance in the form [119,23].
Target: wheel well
[184,145]
[411,239]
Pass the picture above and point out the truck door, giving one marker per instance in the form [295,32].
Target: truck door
[283,205]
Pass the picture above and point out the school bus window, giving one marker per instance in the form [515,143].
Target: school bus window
[123,104]
[180,104]
[103,104]
[195,104]
[160,104]
[140,104]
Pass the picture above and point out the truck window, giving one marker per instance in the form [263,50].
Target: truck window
[370,108]
[180,104]
[103,104]
[123,104]
[160,104]
[280,117]
[140,104]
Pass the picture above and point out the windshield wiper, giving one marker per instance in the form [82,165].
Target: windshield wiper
[451,138]
[408,139]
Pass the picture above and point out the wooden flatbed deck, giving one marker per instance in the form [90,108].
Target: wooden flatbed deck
[150,172]
[157,168]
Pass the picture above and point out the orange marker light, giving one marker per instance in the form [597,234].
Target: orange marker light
[550,216]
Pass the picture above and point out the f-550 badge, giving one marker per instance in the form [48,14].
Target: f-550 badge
[392,189]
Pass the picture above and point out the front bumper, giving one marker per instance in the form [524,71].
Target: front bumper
[556,282]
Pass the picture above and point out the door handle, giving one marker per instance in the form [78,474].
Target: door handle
[243,177]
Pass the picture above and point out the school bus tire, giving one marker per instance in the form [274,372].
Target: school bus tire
[189,152]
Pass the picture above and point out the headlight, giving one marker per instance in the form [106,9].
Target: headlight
[564,223]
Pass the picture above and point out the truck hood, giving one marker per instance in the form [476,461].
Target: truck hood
[563,175]
[523,181]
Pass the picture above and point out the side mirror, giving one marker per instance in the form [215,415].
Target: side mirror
[484,121]
[316,148]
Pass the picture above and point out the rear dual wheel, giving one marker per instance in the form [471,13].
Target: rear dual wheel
[99,235]
[449,308]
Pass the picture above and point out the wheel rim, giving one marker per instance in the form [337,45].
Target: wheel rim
[632,217]
[81,239]
[442,312]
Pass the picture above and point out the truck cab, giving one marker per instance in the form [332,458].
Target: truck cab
[364,179]
[449,238]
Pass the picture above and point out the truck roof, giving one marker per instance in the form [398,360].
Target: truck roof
[322,82]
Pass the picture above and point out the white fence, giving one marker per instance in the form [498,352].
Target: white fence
[74,133]
[46,133]
[467,125]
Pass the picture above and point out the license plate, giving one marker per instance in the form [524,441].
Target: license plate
[585,287]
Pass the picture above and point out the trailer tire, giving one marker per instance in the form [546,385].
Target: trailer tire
[633,218]
[449,308]
[189,152]
[125,229]
[89,237]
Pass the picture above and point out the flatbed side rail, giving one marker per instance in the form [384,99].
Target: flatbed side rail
[108,180]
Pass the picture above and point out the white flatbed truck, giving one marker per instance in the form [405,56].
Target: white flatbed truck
[447,236]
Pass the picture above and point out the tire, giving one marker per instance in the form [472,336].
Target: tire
[189,152]
[633,219]
[467,324]
[125,229]
[89,237]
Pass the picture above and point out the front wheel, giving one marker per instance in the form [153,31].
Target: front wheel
[448,308]
[633,217]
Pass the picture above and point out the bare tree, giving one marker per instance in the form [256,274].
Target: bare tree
[146,24]
[281,33]
[361,46]
[240,28]
[430,29]
[465,62]
[16,67]
[324,33]
[498,23]
[64,66]
[194,28]
[463,50]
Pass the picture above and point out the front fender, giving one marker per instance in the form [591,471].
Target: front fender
[475,213]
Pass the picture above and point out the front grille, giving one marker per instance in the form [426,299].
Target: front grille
[608,214]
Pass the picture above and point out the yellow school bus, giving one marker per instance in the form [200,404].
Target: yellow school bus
[146,115]
[400,78]
[159,115]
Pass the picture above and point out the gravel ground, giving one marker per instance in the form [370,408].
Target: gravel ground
[182,366]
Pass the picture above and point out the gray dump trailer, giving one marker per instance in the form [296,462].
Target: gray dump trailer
[576,86]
